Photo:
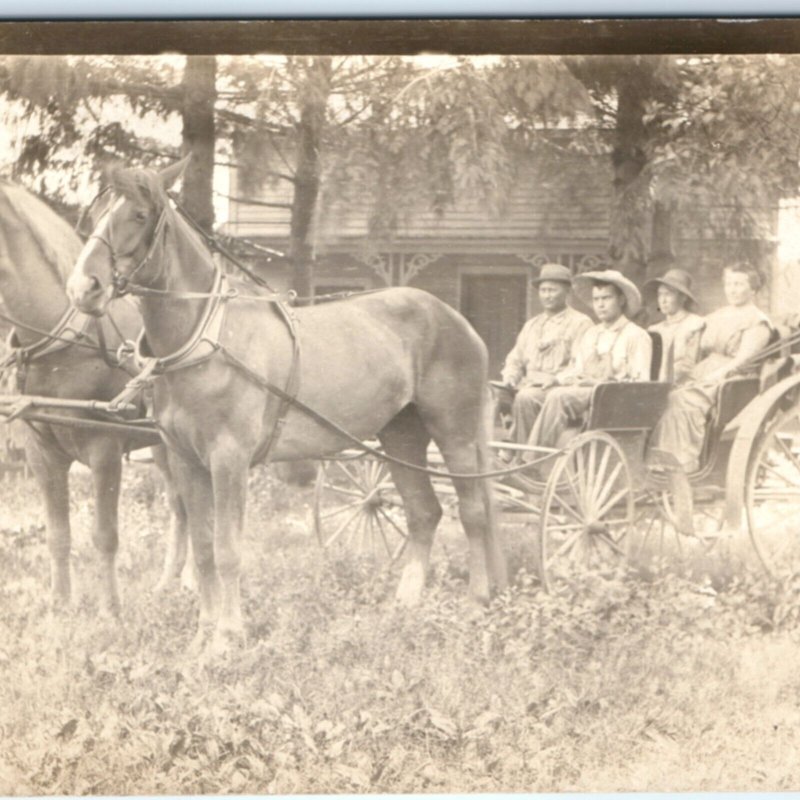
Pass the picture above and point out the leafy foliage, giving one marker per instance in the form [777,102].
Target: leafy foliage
[615,682]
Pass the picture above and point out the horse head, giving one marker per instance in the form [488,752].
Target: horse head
[129,225]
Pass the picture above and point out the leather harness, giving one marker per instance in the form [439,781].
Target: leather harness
[203,344]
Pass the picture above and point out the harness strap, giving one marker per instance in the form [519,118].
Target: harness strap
[292,387]
[207,331]
[118,361]
[290,400]
[135,386]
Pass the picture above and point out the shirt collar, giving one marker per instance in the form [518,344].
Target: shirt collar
[618,325]
[679,317]
[559,315]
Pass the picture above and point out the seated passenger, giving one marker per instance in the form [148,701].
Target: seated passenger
[543,348]
[615,349]
[732,336]
[681,329]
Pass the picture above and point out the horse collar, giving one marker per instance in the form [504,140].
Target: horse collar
[204,340]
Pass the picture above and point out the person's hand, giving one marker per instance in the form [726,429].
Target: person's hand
[717,375]
[549,381]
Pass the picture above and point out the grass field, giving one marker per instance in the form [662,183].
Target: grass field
[627,681]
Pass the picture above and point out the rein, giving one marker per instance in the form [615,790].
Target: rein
[52,335]
[213,318]
[122,282]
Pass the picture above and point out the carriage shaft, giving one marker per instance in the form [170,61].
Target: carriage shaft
[36,401]
[148,435]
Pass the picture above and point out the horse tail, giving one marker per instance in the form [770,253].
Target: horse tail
[495,549]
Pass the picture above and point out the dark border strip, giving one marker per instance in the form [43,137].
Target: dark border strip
[403,36]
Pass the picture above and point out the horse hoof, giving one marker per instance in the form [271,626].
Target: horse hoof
[225,641]
[200,640]
[480,595]
[110,611]
[163,585]
[408,596]
[409,590]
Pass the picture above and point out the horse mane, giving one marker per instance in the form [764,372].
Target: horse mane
[58,243]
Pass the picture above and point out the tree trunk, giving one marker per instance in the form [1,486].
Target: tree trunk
[200,93]
[627,242]
[307,176]
[662,254]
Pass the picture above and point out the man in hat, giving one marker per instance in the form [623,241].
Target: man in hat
[615,349]
[543,348]
[681,328]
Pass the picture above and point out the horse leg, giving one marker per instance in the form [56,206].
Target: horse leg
[193,482]
[229,467]
[460,448]
[176,556]
[405,437]
[51,471]
[459,422]
[105,461]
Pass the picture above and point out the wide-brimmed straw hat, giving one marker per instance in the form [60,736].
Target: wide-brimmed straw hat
[553,272]
[584,282]
[678,279]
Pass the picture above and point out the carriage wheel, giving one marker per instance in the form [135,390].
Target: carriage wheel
[772,493]
[658,532]
[357,510]
[587,508]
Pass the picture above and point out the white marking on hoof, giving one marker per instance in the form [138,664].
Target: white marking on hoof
[412,582]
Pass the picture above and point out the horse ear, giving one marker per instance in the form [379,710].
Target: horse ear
[170,174]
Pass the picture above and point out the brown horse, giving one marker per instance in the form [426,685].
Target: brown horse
[398,364]
[37,250]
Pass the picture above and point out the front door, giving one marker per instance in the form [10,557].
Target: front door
[496,306]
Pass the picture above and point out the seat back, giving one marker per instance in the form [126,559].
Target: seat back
[658,355]
[734,395]
[627,406]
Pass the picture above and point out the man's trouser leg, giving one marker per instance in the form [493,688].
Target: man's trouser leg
[564,406]
[528,403]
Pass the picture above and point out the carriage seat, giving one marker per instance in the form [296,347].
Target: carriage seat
[627,406]
[658,355]
[738,392]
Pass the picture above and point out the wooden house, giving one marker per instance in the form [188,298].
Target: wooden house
[479,261]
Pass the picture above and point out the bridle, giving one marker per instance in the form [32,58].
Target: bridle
[124,284]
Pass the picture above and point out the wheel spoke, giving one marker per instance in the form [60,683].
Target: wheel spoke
[334,512]
[581,474]
[369,533]
[379,524]
[591,476]
[572,483]
[352,474]
[599,481]
[388,518]
[612,502]
[342,526]
[568,508]
[608,486]
[565,546]
[605,537]
[566,526]
[341,490]
[788,452]
[767,467]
